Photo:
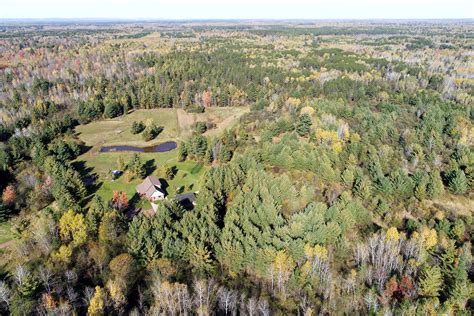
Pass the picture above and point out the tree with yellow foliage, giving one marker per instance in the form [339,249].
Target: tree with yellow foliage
[72,228]
[97,303]
[393,234]
[280,270]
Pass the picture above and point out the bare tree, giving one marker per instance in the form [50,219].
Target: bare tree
[263,307]
[204,296]
[170,298]
[4,293]
[47,278]
[88,294]
[71,276]
[20,274]
[227,299]
[252,306]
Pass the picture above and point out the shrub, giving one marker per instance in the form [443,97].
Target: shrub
[137,127]
[200,127]
[151,132]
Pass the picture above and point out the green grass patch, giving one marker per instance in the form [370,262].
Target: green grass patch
[197,168]
[187,176]
[5,232]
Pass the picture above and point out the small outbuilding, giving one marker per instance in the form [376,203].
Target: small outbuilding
[187,200]
[151,188]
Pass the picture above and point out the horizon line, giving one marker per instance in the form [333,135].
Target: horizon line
[232,19]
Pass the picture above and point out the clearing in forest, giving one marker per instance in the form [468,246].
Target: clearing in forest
[177,125]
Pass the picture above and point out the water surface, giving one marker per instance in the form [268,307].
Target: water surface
[160,148]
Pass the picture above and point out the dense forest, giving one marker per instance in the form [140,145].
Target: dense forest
[332,165]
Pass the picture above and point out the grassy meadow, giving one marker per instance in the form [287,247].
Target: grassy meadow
[176,123]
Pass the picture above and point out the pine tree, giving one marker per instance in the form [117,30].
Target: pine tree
[431,282]
[435,185]
[304,125]
[224,154]
[4,213]
[182,151]
[458,181]
[421,183]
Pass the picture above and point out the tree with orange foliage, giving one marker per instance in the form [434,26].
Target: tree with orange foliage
[406,286]
[206,98]
[119,201]
[9,195]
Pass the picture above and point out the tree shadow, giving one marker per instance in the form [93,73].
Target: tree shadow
[149,167]
[80,166]
[89,178]
[134,200]
[164,185]
[91,190]
[84,148]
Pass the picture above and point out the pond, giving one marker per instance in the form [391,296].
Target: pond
[160,148]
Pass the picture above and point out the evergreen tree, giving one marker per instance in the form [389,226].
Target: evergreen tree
[4,213]
[182,151]
[304,125]
[431,282]
[458,181]
[435,185]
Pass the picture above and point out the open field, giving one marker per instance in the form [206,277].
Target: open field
[177,125]
[117,131]
[223,117]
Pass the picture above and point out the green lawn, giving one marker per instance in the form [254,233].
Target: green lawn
[5,232]
[187,176]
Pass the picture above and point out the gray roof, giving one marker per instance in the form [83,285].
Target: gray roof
[191,197]
[149,186]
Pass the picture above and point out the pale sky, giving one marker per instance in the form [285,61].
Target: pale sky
[239,9]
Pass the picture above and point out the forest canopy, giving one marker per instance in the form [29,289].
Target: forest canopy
[305,168]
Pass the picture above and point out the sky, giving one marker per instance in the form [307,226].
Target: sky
[238,9]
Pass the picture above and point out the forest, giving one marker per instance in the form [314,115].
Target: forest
[329,168]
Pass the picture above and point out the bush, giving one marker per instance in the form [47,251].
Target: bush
[195,109]
[137,127]
[151,132]
[200,127]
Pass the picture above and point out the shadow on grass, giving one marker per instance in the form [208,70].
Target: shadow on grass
[164,186]
[149,167]
[81,167]
[92,189]
[84,148]
[134,206]
[134,201]
[89,178]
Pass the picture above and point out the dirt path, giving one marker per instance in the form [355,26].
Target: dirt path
[185,121]
[7,244]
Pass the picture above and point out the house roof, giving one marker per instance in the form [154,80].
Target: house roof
[186,197]
[149,186]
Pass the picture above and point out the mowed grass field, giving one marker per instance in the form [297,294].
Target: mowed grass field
[186,178]
[117,131]
[176,123]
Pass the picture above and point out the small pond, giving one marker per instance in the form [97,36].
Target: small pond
[160,148]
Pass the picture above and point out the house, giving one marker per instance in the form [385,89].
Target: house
[187,200]
[151,189]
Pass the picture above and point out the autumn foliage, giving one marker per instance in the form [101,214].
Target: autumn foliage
[119,201]
[8,195]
